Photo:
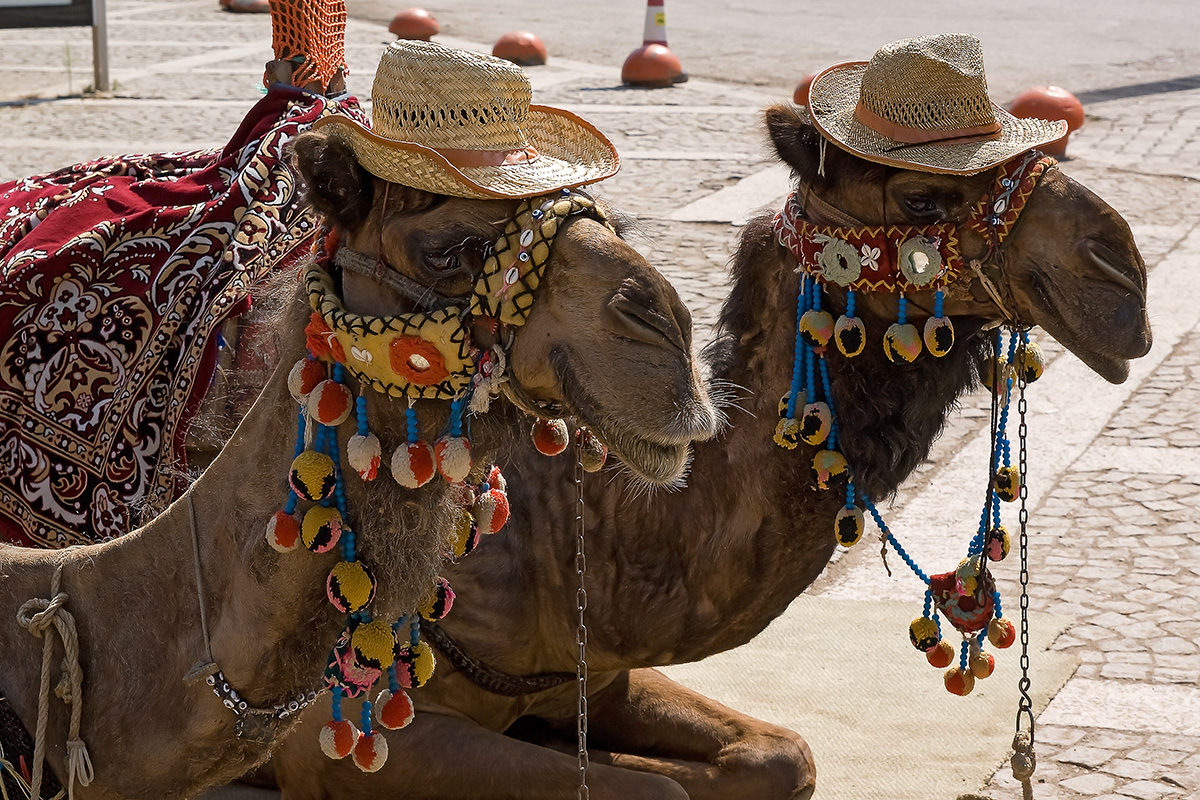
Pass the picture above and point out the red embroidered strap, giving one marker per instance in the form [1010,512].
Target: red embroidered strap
[997,211]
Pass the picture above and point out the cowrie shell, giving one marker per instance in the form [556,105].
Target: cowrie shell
[526,238]
[511,276]
[361,355]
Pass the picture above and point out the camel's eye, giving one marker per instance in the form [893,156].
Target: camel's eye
[466,256]
[443,262]
[921,205]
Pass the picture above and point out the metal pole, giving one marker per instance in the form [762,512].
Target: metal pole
[100,46]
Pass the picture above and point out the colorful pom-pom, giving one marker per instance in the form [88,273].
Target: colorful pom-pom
[312,475]
[439,602]
[321,529]
[982,664]
[850,335]
[1033,362]
[394,711]
[364,455]
[350,586]
[490,511]
[827,465]
[923,633]
[941,656]
[283,532]
[413,464]
[999,543]
[902,343]
[304,377]
[815,423]
[848,526]
[939,335]
[550,436]
[495,479]
[593,452]
[453,457]
[1001,633]
[816,328]
[415,666]
[374,644]
[466,534]
[338,738]
[959,681]
[787,433]
[967,574]
[1007,483]
[371,752]
[330,403]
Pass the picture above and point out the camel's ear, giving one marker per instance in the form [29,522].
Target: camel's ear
[795,139]
[338,186]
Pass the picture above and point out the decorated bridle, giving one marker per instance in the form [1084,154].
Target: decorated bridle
[427,354]
[903,259]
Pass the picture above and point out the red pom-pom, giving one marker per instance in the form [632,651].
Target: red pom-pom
[453,457]
[393,711]
[1001,633]
[330,403]
[338,738]
[283,532]
[304,377]
[371,752]
[412,464]
[550,436]
[941,656]
[495,479]
[490,511]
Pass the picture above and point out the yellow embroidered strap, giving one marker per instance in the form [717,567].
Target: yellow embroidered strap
[423,355]
[513,272]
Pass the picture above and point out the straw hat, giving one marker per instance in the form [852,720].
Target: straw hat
[922,104]
[460,123]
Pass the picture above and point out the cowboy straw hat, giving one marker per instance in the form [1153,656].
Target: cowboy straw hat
[922,104]
[459,123]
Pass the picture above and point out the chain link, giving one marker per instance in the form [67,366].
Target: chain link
[1025,707]
[581,671]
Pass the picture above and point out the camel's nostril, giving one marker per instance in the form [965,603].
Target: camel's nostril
[1114,268]
[645,323]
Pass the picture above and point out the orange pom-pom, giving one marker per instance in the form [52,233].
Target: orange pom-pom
[1001,633]
[412,464]
[453,457]
[959,681]
[982,664]
[371,752]
[338,738]
[393,711]
[550,436]
[330,403]
[304,377]
[495,479]
[283,532]
[490,511]
[941,656]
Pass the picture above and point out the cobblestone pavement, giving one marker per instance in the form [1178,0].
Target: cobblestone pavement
[1116,520]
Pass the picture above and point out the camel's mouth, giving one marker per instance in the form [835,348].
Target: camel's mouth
[656,463]
[1102,323]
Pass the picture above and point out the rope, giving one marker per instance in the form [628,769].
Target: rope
[1024,762]
[201,669]
[990,288]
[37,616]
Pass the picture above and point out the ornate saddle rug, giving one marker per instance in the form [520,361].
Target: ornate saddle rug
[115,276]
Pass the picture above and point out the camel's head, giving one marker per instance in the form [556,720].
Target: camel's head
[1070,265]
[607,339]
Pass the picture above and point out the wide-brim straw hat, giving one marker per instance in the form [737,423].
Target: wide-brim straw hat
[459,123]
[922,104]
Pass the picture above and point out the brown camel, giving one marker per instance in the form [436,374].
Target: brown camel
[601,316]
[683,575]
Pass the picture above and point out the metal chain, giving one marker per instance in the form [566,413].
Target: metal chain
[1024,759]
[581,671]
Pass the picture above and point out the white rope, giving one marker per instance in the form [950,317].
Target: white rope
[37,616]
[990,288]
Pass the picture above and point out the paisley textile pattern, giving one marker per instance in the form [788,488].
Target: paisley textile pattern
[115,276]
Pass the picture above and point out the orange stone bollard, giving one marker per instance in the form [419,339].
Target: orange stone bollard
[653,65]
[521,48]
[414,23]
[1050,102]
[800,96]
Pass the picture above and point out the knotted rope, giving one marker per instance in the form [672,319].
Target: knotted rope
[37,616]
[1024,762]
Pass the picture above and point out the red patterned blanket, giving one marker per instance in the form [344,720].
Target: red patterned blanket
[114,278]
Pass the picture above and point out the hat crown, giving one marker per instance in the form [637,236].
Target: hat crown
[449,99]
[934,83]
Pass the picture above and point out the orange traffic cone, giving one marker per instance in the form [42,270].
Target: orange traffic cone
[653,65]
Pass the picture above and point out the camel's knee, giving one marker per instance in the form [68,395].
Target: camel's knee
[779,766]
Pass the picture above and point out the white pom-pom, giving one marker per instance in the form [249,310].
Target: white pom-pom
[413,464]
[490,511]
[364,454]
[454,457]
[338,738]
[371,752]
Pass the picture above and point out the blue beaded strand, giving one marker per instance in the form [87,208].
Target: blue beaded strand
[833,420]
[797,360]
[414,431]
[964,653]
[337,704]
[850,303]
[938,298]
[902,315]
[360,415]
[366,717]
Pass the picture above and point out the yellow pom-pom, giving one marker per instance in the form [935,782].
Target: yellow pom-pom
[998,543]
[283,532]
[466,534]
[787,433]
[350,586]
[827,465]
[967,573]
[338,738]
[815,423]
[923,633]
[939,335]
[439,601]
[1007,483]
[453,458]
[321,529]
[312,475]
[848,526]
[371,752]
[850,335]
[816,328]
[902,343]
[1033,362]
[415,666]
[374,644]
[982,664]
[364,455]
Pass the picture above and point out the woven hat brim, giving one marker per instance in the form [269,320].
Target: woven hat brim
[834,93]
[572,152]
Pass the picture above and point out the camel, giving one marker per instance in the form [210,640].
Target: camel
[686,574]
[601,315]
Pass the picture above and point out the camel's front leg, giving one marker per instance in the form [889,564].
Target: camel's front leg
[709,749]
[438,757]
